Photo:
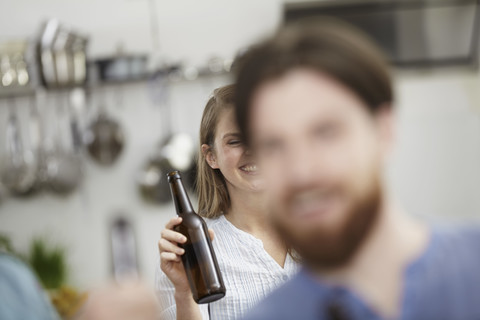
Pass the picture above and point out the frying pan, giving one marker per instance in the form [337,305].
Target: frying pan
[176,152]
[104,138]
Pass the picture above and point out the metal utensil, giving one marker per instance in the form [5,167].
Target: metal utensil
[124,250]
[35,137]
[79,60]
[150,179]
[64,58]
[19,171]
[64,168]
[62,55]
[8,72]
[3,192]
[176,151]
[48,35]
[104,138]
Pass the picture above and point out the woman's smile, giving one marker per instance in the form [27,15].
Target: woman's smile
[249,168]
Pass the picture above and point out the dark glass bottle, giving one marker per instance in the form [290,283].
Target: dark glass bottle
[199,259]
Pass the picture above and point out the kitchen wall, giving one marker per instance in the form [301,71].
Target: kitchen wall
[188,30]
[81,220]
[434,171]
[434,168]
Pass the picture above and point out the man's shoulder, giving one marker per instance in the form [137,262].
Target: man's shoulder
[453,260]
[11,267]
[461,241]
[283,303]
[455,247]
[277,305]
[444,280]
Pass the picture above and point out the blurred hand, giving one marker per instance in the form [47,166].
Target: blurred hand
[126,301]
[170,255]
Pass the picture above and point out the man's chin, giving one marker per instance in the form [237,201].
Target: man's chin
[319,249]
[332,244]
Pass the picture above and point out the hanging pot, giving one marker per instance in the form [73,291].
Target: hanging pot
[104,140]
[176,152]
[150,180]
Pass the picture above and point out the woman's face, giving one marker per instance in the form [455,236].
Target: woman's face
[231,157]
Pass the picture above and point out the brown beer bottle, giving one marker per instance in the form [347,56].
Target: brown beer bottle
[199,259]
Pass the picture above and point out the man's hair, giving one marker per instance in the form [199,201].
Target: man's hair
[325,45]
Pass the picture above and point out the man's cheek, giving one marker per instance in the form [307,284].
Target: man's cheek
[272,194]
[267,170]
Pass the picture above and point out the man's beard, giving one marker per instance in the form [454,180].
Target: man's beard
[328,249]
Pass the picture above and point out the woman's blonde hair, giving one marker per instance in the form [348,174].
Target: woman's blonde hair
[213,197]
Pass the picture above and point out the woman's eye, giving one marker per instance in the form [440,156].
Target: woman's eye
[234,142]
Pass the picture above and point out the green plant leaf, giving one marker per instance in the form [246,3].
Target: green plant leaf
[48,262]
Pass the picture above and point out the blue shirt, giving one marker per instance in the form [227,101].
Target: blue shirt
[444,283]
[21,296]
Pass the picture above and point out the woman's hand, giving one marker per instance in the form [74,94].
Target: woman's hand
[170,256]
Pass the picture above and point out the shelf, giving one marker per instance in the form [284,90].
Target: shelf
[12,92]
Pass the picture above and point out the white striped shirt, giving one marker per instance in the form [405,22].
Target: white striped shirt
[249,274]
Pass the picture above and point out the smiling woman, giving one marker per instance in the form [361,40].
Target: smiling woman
[252,257]
[228,154]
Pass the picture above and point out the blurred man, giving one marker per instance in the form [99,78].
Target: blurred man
[22,297]
[126,301]
[315,104]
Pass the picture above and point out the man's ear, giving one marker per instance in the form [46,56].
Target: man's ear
[209,156]
[385,119]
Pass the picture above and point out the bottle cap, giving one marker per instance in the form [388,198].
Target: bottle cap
[174,175]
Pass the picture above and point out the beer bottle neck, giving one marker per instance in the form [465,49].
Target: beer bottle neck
[180,196]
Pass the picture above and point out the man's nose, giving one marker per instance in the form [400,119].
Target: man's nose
[300,166]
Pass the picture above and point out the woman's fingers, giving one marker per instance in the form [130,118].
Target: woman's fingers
[169,256]
[173,236]
[173,222]
[166,246]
